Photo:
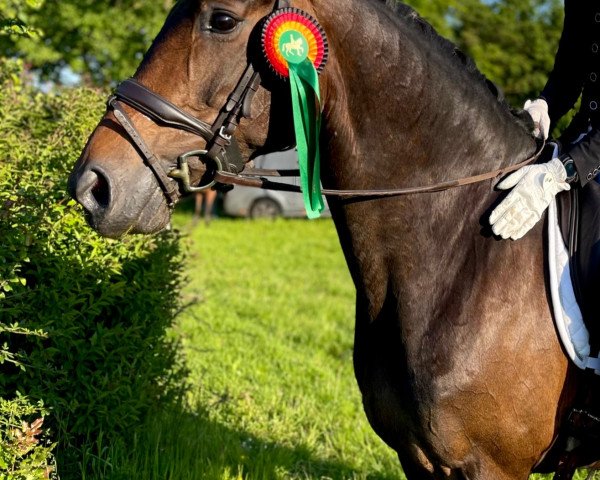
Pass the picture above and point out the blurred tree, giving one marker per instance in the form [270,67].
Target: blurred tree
[436,12]
[13,19]
[513,42]
[102,40]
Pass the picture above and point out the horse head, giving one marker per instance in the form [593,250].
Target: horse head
[191,69]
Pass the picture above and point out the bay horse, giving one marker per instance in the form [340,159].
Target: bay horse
[455,354]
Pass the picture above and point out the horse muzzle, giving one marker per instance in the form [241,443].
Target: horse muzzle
[119,202]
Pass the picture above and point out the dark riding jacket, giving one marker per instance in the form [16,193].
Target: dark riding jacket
[576,72]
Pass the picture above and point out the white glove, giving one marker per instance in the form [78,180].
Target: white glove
[538,109]
[536,186]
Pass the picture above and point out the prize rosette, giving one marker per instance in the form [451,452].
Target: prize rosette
[295,47]
[290,36]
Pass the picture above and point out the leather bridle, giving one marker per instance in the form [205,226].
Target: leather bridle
[221,153]
[222,156]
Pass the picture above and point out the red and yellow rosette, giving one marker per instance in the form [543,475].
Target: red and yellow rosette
[287,28]
[295,47]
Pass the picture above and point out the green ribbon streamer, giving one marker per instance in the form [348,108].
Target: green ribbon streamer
[306,98]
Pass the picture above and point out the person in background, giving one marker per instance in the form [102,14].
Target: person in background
[576,72]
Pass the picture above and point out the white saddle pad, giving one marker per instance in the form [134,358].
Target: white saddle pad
[567,314]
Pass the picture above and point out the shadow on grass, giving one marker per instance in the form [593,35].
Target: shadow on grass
[187,446]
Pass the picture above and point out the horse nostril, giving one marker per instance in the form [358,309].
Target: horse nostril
[100,191]
[92,190]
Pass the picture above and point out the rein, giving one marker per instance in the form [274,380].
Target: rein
[256,178]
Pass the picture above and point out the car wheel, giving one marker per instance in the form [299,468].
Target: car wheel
[265,208]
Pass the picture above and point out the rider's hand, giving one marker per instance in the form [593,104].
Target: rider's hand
[534,188]
[538,109]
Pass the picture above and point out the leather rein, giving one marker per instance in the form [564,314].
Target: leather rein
[256,178]
[221,155]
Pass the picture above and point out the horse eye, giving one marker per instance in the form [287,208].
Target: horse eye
[222,22]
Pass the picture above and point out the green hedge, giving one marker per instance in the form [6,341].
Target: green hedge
[84,321]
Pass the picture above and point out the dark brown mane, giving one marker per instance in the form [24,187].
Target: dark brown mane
[409,17]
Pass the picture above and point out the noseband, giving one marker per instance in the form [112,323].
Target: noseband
[221,153]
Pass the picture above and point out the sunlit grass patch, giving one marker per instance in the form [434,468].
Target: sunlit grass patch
[268,339]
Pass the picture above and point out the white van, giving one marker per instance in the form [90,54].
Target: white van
[258,203]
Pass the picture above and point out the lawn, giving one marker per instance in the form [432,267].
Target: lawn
[267,336]
[268,339]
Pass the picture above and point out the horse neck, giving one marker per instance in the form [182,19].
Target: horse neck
[391,91]
[397,113]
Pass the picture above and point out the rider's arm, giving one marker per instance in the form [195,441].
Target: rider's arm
[566,81]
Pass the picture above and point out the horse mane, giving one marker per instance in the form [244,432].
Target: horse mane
[453,53]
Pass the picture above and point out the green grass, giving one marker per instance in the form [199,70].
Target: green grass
[268,339]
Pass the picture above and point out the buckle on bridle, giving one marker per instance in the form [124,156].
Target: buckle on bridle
[182,172]
[224,135]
